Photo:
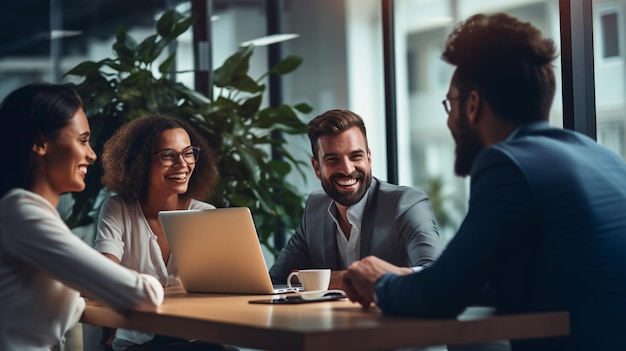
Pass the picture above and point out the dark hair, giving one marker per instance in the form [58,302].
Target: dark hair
[333,122]
[128,153]
[27,114]
[507,62]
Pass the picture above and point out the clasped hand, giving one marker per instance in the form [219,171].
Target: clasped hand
[359,281]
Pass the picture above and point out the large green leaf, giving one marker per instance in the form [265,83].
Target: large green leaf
[235,65]
[149,49]
[281,118]
[245,83]
[180,27]
[303,107]
[287,65]
[167,64]
[84,67]
[124,47]
[165,24]
[250,107]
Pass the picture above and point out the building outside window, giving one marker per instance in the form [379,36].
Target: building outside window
[610,75]
[428,158]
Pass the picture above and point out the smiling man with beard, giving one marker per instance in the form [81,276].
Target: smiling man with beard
[355,215]
[545,228]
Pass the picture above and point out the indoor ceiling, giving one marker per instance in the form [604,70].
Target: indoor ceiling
[26,23]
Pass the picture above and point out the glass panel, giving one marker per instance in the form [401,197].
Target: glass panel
[49,37]
[426,146]
[610,74]
[610,43]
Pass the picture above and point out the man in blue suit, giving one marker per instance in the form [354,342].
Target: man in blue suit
[355,215]
[546,225]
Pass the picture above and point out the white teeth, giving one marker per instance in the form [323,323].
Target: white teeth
[178,176]
[346,181]
[82,169]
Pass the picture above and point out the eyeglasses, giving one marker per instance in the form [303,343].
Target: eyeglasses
[446,101]
[170,157]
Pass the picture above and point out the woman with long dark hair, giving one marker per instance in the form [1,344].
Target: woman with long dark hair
[44,267]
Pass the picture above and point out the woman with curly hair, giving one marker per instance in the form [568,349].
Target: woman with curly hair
[152,164]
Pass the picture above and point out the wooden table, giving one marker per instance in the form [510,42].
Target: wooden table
[333,325]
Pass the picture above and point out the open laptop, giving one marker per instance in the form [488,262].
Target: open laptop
[218,251]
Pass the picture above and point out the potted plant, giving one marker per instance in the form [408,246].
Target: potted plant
[118,89]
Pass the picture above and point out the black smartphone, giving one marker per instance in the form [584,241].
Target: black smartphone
[290,300]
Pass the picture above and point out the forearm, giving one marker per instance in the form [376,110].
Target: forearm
[111,257]
[405,295]
[286,262]
[294,256]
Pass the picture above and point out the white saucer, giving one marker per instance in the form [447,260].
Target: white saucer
[317,294]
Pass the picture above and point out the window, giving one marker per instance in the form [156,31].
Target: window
[610,75]
[426,158]
[611,135]
[610,35]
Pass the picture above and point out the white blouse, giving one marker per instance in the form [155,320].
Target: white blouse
[44,266]
[124,232]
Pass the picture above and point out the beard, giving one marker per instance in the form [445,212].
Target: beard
[351,197]
[468,146]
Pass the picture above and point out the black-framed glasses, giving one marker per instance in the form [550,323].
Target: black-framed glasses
[169,157]
[446,101]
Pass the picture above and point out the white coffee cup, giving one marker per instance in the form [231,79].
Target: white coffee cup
[311,279]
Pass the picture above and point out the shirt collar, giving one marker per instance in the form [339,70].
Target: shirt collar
[354,213]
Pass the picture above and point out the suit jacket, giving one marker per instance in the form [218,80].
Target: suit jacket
[398,225]
[545,230]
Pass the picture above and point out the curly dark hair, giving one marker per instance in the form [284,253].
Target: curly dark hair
[507,62]
[127,155]
[333,122]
